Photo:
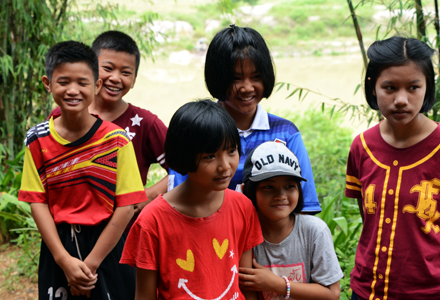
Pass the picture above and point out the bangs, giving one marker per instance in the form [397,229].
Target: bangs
[214,133]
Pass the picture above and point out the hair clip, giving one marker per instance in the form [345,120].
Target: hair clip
[369,78]
[232,26]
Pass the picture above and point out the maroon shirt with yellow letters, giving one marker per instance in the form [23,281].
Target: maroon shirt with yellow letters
[398,255]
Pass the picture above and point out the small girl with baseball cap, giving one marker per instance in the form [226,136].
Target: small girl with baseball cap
[297,258]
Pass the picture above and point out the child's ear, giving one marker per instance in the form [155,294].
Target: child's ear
[98,86]
[46,83]
[134,81]
[374,92]
[242,187]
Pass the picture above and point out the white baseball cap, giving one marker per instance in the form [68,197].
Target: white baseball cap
[271,159]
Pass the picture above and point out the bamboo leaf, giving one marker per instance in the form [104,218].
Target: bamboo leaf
[293,93]
[357,89]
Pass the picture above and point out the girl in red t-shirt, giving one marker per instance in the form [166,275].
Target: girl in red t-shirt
[191,241]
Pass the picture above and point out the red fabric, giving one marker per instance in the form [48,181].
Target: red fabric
[79,190]
[188,252]
[398,254]
[148,139]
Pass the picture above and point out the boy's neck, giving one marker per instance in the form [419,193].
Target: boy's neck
[276,232]
[72,127]
[108,111]
[193,201]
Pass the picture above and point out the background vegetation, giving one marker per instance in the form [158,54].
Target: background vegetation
[292,27]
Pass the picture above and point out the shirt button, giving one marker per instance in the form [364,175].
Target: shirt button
[395,163]
[380,276]
[388,220]
[390,192]
[384,249]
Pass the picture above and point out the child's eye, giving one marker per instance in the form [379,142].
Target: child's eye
[292,186]
[232,150]
[62,82]
[415,87]
[107,68]
[126,73]
[258,76]
[267,187]
[208,156]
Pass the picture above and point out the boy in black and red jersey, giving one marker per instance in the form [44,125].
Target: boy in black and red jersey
[81,179]
[119,60]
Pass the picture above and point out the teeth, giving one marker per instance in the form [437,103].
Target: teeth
[113,89]
[247,99]
[73,100]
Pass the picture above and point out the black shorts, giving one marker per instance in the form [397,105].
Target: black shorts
[115,281]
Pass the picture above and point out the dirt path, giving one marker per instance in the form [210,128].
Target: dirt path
[13,286]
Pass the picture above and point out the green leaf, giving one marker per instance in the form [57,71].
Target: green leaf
[342,223]
[357,89]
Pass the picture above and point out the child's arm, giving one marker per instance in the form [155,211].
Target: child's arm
[152,192]
[109,236]
[146,284]
[77,273]
[262,279]
[246,262]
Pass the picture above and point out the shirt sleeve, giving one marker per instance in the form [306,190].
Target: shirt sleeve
[174,179]
[129,188]
[254,235]
[325,265]
[352,182]
[311,202]
[32,188]
[141,248]
[156,141]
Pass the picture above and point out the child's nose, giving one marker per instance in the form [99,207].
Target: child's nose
[224,163]
[247,86]
[401,98]
[72,90]
[115,76]
[280,194]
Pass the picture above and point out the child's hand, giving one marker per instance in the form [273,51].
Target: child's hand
[259,279]
[92,264]
[79,277]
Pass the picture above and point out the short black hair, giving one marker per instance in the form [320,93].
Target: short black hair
[198,127]
[234,44]
[117,41]
[71,52]
[250,191]
[398,51]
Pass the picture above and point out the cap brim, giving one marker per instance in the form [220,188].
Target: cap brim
[273,174]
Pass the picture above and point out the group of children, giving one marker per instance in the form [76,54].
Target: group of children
[230,221]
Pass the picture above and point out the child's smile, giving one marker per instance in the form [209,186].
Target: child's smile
[117,71]
[215,170]
[73,86]
[277,197]
[246,92]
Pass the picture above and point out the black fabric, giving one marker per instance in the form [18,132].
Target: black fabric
[115,281]
[88,135]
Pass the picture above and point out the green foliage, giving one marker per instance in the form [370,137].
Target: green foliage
[328,144]
[346,226]
[17,217]
[27,29]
